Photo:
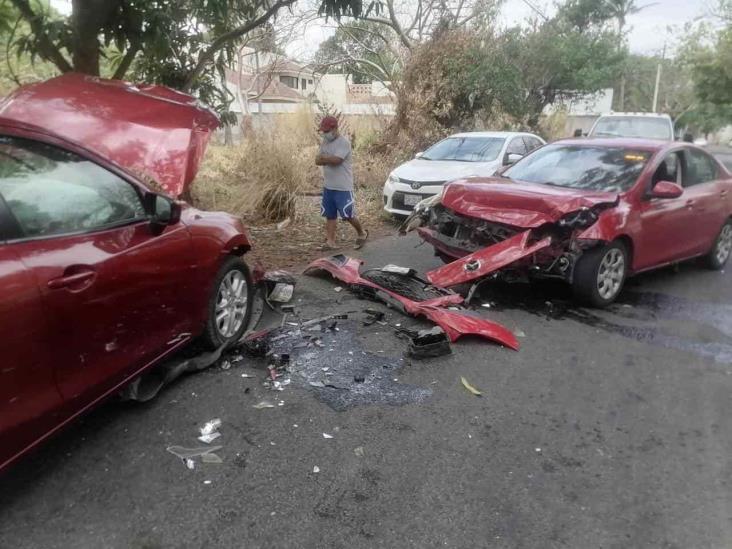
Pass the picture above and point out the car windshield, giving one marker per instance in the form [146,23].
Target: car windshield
[611,169]
[633,126]
[466,149]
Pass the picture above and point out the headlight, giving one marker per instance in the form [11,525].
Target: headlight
[579,219]
[393,178]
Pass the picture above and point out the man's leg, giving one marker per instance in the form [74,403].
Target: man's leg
[329,210]
[330,232]
[356,224]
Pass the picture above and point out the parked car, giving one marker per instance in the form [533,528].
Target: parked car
[642,125]
[101,275]
[460,155]
[590,212]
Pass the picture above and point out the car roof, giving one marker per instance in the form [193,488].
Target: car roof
[491,134]
[627,142]
[636,114]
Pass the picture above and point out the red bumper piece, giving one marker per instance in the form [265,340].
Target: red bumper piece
[486,261]
[455,323]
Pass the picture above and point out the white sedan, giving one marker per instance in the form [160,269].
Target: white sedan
[471,154]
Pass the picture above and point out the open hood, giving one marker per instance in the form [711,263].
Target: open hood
[443,170]
[153,132]
[518,204]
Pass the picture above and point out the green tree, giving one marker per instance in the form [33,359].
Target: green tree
[187,39]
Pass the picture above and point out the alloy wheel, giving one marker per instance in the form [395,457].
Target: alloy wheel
[610,274]
[724,244]
[231,303]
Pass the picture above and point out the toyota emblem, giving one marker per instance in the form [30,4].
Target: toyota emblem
[416,184]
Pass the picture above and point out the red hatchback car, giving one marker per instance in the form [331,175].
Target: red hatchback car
[101,277]
[587,211]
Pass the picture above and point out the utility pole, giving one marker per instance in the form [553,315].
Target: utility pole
[658,79]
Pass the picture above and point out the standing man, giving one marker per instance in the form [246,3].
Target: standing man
[338,201]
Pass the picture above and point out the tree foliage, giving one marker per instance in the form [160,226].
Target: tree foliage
[181,43]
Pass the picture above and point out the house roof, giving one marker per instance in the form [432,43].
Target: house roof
[274,90]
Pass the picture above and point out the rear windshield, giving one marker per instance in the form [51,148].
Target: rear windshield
[466,149]
[610,169]
[633,126]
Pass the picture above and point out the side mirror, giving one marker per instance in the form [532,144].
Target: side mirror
[666,189]
[578,132]
[512,158]
[419,154]
[163,211]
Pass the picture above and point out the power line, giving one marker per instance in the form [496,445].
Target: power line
[536,9]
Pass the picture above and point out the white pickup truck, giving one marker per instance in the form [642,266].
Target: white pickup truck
[633,124]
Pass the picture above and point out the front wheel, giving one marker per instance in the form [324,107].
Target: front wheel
[230,304]
[718,256]
[599,274]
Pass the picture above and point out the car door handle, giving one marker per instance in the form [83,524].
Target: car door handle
[76,281]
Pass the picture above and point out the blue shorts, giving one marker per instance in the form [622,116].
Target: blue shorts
[337,204]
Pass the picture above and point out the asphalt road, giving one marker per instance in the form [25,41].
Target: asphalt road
[607,429]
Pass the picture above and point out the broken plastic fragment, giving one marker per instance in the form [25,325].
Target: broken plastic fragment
[358,451]
[338,288]
[187,453]
[225,365]
[397,269]
[317,384]
[263,404]
[211,427]
[190,463]
[469,387]
[316,469]
[519,333]
[210,437]
[282,293]
[211,458]
[326,435]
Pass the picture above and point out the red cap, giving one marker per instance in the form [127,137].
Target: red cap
[328,123]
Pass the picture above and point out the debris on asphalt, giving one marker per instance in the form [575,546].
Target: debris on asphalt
[263,404]
[187,454]
[519,333]
[469,387]
[225,364]
[316,469]
[211,458]
[328,359]
[208,438]
[326,435]
[414,296]
[211,427]
[190,463]
[280,286]
[429,343]
[207,482]
[358,451]
[338,289]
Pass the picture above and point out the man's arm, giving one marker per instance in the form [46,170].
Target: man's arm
[327,160]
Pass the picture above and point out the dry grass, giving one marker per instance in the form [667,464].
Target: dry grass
[272,177]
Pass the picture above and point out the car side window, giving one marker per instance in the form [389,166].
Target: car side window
[516,146]
[52,191]
[531,143]
[700,168]
[669,169]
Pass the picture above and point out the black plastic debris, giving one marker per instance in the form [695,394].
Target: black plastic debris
[333,365]
[373,316]
[429,343]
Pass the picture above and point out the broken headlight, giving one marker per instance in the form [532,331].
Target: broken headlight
[579,219]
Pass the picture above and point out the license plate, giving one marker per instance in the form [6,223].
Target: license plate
[412,199]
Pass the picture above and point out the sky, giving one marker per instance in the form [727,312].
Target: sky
[647,29]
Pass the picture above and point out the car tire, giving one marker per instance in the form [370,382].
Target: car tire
[230,304]
[722,248]
[599,275]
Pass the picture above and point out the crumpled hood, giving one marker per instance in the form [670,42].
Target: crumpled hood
[518,203]
[442,170]
[152,131]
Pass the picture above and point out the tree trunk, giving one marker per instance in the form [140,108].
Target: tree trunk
[621,99]
[87,19]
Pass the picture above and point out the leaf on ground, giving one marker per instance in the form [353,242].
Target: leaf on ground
[470,388]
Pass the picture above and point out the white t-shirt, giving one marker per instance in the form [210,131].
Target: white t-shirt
[340,177]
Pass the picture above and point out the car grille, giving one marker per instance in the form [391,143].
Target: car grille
[418,184]
[397,201]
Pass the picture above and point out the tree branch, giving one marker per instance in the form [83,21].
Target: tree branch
[207,56]
[126,61]
[46,48]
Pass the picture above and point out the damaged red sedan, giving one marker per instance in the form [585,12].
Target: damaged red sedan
[101,275]
[590,212]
